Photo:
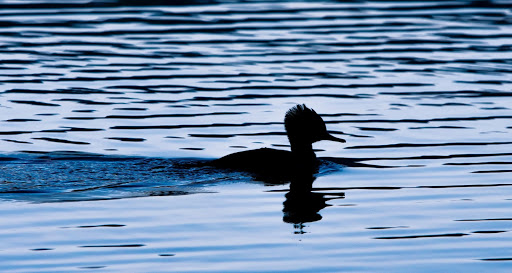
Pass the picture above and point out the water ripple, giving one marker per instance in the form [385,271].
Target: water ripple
[421,91]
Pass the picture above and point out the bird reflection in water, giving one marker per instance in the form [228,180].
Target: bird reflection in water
[303,204]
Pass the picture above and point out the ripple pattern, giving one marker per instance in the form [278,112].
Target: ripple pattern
[103,100]
[128,73]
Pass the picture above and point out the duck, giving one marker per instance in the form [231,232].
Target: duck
[303,128]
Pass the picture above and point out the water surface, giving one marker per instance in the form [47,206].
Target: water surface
[109,111]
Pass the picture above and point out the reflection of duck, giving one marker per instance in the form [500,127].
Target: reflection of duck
[303,127]
[302,205]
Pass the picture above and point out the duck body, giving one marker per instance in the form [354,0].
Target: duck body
[270,163]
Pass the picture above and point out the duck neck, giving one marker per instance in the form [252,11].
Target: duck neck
[304,159]
[303,152]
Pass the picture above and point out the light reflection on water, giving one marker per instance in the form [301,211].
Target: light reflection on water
[109,110]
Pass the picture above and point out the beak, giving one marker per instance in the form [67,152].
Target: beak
[333,138]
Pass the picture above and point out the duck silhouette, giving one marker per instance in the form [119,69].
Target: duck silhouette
[303,204]
[303,128]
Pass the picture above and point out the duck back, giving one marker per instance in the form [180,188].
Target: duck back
[267,162]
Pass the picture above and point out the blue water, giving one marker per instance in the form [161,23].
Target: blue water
[111,111]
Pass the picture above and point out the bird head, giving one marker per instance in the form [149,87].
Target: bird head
[304,125]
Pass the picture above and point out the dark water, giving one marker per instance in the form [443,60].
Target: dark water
[109,109]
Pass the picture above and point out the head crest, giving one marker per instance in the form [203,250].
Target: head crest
[304,123]
[300,111]
[304,126]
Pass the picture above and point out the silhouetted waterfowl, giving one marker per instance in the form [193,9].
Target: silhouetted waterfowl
[303,127]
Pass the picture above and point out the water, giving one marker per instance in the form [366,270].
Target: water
[109,110]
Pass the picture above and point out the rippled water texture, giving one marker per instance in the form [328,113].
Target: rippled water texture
[110,110]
